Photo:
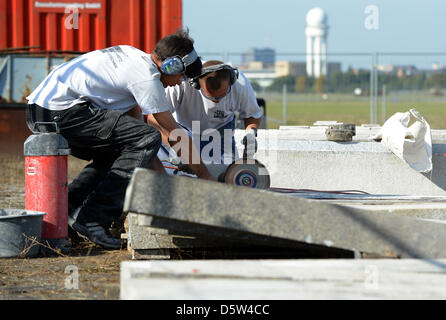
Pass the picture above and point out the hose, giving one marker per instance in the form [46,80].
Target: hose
[288,190]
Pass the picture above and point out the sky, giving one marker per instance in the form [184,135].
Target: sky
[230,27]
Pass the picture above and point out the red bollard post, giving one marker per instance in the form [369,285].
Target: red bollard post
[46,185]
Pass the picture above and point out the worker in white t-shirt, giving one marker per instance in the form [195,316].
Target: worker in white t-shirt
[88,97]
[205,106]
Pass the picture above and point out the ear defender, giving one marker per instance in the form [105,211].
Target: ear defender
[233,74]
[175,65]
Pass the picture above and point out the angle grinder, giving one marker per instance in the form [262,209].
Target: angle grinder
[246,172]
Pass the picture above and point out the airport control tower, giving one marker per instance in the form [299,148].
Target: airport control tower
[316,33]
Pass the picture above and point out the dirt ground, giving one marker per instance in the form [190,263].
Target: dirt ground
[87,273]
[53,277]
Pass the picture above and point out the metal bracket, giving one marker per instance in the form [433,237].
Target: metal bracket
[340,132]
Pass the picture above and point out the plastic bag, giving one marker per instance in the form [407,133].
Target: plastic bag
[411,144]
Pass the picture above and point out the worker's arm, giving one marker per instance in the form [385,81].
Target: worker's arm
[179,140]
[249,140]
[164,133]
[135,112]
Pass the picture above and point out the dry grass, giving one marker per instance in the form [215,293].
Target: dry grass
[12,182]
[44,277]
[12,179]
[344,108]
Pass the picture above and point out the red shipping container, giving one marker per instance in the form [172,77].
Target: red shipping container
[86,25]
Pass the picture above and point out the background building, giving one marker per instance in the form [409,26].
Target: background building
[289,68]
[333,67]
[297,69]
[265,55]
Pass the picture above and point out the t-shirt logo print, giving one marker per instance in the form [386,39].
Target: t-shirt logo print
[219,114]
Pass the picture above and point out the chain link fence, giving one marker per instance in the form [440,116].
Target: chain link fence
[361,88]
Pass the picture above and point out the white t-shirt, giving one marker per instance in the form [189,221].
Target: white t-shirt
[116,78]
[188,104]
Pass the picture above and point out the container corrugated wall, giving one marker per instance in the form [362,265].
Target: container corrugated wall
[86,25]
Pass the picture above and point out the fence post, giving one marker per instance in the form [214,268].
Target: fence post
[284,104]
[384,104]
[376,87]
[372,90]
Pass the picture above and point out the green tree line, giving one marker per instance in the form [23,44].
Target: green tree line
[347,82]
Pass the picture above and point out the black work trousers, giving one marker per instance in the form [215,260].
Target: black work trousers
[115,143]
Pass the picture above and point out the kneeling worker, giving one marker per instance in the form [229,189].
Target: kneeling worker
[207,104]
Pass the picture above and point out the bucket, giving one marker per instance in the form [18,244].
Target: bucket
[19,231]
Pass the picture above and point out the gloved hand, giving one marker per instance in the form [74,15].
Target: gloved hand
[250,143]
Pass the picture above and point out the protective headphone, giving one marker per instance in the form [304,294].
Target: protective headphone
[175,65]
[233,74]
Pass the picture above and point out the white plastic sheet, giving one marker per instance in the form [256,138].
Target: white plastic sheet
[412,144]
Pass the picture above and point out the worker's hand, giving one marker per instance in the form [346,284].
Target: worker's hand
[202,172]
[250,143]
[207,176]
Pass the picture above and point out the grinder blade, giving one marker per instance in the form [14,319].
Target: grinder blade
[248,173]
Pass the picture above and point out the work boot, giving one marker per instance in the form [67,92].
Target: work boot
[93,231]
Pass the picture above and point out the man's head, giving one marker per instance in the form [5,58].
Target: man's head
[176,58]
[216,80]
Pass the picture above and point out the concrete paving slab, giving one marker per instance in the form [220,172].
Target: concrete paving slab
[363,132]
[152,243]
[190,206]
[284,279]
[300,160]
[432,211]
[433,208]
